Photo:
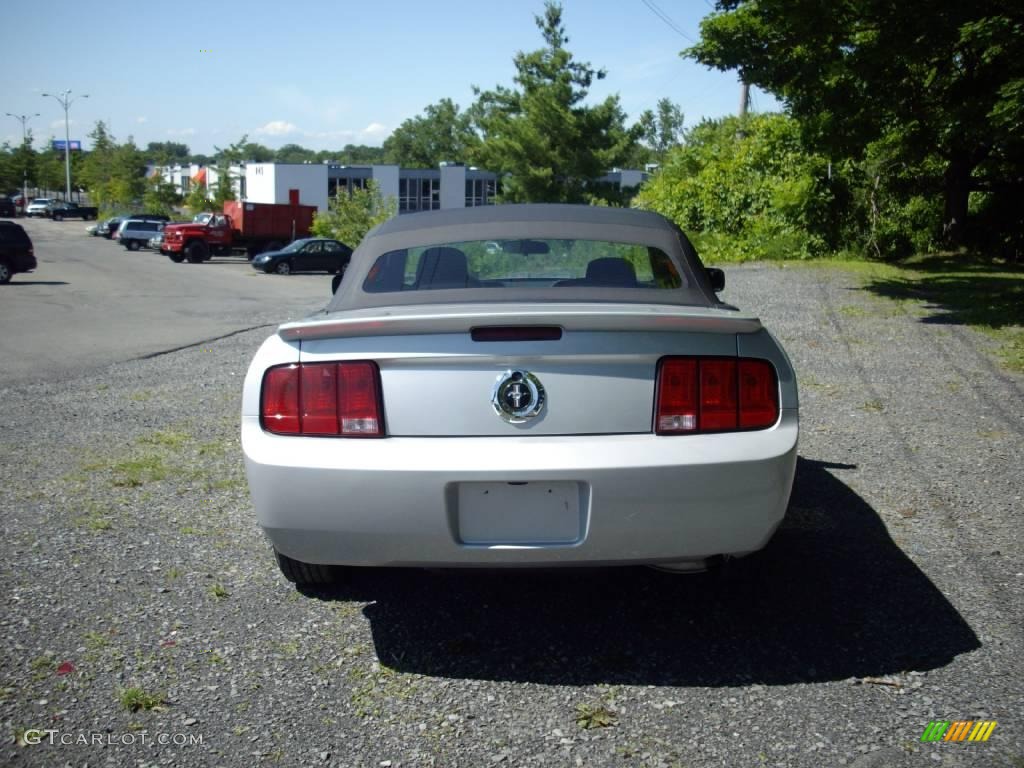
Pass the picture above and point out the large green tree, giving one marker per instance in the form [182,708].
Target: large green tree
[923,77]
[441,133]
[351,215]
[541,133]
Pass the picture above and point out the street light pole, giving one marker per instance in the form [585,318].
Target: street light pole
[66,101]
[24,171]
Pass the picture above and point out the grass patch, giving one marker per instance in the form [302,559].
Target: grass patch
[136,699]
[167,438]
[218,591]
[131,473]
[589,716]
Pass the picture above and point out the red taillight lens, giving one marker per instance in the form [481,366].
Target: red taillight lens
[359,400]
[718,394]
[323,399]
[279,400]
[715,394]
[677,397]
[319,399]
[759,394]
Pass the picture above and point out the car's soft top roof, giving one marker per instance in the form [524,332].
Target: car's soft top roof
[505,222]
[566,214]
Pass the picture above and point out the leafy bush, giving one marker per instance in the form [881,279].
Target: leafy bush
[351,216]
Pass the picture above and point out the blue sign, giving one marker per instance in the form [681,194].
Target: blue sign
[76,144]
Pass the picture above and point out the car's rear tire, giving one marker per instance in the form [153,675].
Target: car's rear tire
[307,574]
[284,268]
[176,256]
[132,245]
[5,273]
[58,217]
[197,251]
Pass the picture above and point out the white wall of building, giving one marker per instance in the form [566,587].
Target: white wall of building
[270,183]
[386,177]
[453,186]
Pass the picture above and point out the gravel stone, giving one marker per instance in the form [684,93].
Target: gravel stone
[899,561]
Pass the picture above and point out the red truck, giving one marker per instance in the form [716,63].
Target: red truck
[249,227]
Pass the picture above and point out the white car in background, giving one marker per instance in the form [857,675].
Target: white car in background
[40,206]
[520,385]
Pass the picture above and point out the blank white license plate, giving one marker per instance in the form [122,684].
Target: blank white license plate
[533,513]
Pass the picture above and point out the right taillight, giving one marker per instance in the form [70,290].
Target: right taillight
[715,394]
[323,399]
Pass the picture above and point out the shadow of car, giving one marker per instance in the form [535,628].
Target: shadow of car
[831,597]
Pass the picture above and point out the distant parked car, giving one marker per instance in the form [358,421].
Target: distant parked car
[16,251]
[135,233]
[67,210]
[156,241]
[7,207]
[114,224]
[39,207]
[306,255]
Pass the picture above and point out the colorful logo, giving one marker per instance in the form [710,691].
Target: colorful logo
[958,730]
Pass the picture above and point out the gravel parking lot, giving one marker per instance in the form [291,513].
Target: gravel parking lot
[142,604]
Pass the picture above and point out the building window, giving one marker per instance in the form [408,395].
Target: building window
[408,199]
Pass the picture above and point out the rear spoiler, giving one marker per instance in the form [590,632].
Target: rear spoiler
[448,319]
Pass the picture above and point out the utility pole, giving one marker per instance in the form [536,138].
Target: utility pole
[24,171]
[66,101]
[744,103]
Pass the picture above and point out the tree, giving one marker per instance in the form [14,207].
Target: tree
[662,130]
[161,196]
[552,146]
[293,153]
[441,133]
[228,158]
[166,152]
[758,195]
[351,215]
[925,77]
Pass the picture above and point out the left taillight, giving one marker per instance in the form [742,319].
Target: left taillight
[323,399]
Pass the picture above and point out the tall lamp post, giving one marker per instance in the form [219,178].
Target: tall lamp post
[24,137]
[66,101]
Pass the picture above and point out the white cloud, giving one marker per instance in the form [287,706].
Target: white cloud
[181,131]
[375,131]
[277,128]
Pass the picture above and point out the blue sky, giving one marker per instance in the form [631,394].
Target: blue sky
[322,74]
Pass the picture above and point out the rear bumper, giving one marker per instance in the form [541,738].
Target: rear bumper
[643,498]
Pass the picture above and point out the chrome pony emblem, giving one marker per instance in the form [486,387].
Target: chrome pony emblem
[517,396]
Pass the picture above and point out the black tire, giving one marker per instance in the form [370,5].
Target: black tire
[132,245]
[283,268]
[176,256]
[6,273]
[306,574]
[58,217]
[197,251]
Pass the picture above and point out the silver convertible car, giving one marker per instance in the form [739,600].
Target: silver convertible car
[520,385]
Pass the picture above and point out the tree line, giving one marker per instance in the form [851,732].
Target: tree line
[902,132]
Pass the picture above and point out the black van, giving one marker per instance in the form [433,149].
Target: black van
[16,252]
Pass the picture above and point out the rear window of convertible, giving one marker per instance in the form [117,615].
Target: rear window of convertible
[536,263]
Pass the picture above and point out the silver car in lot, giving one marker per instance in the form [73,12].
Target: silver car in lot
[520,385]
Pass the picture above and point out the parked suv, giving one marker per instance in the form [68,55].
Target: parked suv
[135,233]
[39,207]
[7,207]
[16,252]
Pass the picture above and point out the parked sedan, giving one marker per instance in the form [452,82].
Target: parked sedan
[308,255]
[520,385]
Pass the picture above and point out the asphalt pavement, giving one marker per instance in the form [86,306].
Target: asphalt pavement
[145,622]
[92,302]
